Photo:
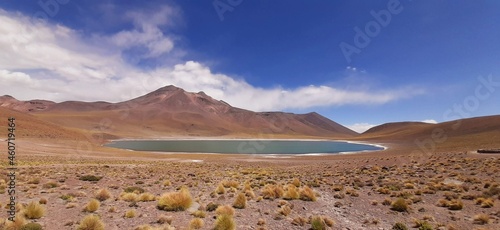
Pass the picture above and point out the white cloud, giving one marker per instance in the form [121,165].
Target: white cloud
[47,61]
[147,32]
[430,121]
[360,127]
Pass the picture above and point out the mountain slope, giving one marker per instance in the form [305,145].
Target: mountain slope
[171,111]
[470,133]
[29,126]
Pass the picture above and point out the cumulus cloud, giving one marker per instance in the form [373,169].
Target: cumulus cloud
[360,127]
[50,61]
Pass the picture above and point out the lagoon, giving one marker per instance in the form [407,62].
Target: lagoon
[245,146]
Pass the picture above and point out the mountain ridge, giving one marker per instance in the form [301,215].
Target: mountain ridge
[171,110]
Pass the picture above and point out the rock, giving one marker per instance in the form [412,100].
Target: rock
[193,207]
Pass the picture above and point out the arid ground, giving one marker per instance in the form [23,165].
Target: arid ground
[445,190]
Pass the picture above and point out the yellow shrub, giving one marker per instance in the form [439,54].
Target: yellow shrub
[92,205]
[307,194]
[175,201]
[224,222]
[91,222]
[34,210]
[196,223]
[241,201]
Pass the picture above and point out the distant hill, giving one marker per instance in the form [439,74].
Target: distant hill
[473,133]
[171,111]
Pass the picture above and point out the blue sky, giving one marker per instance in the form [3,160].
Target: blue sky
[416,60]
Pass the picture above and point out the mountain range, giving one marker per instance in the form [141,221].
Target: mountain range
[172,112]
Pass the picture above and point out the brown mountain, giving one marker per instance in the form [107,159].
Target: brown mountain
[171,111]
[472,133]
[29,126]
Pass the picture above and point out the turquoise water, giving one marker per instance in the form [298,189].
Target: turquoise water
[243,146]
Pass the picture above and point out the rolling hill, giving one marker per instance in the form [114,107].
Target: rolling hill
[469,133]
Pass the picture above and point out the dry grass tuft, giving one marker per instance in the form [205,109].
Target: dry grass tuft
[296,182]
[199,214]
[299,221]
[399,205]
[285,210]
[164,220]
[317,223]
[145,197]
[329,222]
[220,189]
[129,213]
[240,202]
[231,183]
[175,201]
[91,222]
[272,191]
[307,194]
[224,222]
[455,205]
[196,223]
[18,223]
[225,210]
[32,226]
[487,203]
[103,194]
[129,196]
[291,193]
[34,210]
[92,206]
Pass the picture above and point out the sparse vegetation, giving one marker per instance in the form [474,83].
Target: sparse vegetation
[422,225]
[103,194]
[196,223]
[399,205]
[220,189]
[317,223]
[32,226]
[199,214]
[34,210]
[129,197]
[224,222]
[291,193]
[225,210]
[241,201]
[399,226]
[129,213]
[272,191]
[175,201]
[455,205]
[145,197]
[90,178]
[134,189]
[307,194]
[92,206]
[91,222]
